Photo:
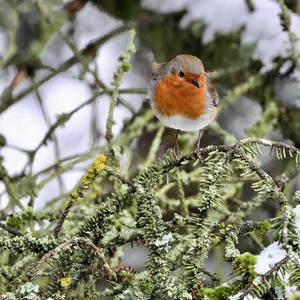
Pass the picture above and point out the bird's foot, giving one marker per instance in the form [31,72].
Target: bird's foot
[174,150]
[199,155]
[230,153]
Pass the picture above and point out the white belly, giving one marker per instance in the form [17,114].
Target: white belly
[185,124]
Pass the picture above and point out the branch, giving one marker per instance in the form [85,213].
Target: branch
[86,181]
[118,76]
[90,49]
[10,230]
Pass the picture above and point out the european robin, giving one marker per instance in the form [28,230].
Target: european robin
[182,95]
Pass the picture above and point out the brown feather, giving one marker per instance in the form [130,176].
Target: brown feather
[176,96]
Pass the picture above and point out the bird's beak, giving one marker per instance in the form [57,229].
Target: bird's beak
[196,83]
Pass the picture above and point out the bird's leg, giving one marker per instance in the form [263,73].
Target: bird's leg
[198,148]
[175,148]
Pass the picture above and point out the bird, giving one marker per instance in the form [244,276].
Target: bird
[182,95]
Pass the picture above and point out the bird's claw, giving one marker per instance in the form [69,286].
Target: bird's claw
[229,154]
[174,150]
[199,156]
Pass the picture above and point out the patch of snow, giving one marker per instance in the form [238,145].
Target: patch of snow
[247,297]
[261,27]
[290,291]
[220,17]
[269,257]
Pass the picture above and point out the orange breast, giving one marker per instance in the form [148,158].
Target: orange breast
[175,96]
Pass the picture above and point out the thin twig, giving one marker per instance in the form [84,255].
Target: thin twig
[123,67]
[91,48]
[10,230]
[54,137]
[266,276]
[122,179]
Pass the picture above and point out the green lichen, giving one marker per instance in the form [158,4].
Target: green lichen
[181,210]
[65,282]
[15,222]
[217,293]
[244,265]
[127,277]
[262,228]
[95,169]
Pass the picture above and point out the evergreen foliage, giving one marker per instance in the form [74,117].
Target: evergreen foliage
[182,209]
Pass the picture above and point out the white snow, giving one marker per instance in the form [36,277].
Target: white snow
[247,297]
[220,17]
[261,27]
[269,257]
[290,291]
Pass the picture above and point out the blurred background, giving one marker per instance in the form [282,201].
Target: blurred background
[57,57]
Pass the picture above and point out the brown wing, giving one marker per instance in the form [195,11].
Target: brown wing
[212,90]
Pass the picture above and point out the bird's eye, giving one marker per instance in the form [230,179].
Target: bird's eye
[181,74]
